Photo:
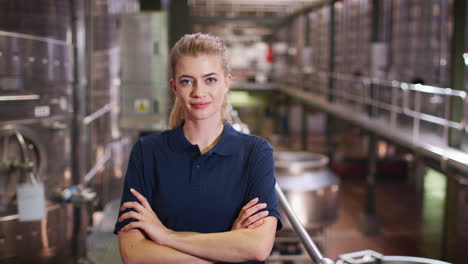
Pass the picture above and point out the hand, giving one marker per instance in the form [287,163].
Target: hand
[147,220]
[247,217]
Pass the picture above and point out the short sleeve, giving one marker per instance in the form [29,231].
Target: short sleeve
[261,182]
[134,178]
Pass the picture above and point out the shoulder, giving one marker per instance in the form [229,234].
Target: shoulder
[149,142]
[156,137]
[250,142]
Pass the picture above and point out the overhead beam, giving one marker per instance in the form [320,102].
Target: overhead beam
[269,21]
[310,7]
[275,22]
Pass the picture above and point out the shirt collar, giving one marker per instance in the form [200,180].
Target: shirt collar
[224,147]
[178,140]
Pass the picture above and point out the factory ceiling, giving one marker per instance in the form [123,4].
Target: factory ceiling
[246,8]
[244,19]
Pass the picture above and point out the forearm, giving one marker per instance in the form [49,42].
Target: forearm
[233,246]
[136,249]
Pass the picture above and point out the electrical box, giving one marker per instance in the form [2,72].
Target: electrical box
[379,60]
[144,71]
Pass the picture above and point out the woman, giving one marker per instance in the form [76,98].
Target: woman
[201,192]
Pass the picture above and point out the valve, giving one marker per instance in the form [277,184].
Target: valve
[24,166]
[78,195]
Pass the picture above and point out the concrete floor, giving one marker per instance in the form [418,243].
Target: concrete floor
[398,217]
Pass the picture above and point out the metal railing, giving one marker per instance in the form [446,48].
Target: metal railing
[399,99]
[413,115]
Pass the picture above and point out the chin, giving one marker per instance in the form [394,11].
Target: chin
[203,115]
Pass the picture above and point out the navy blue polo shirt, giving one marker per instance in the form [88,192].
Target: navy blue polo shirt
[201,193]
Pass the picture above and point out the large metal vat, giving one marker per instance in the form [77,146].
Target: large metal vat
[311,188]
[59,96]
[34,145]
[45,158]
[35,134]
[372,257]
[106,143]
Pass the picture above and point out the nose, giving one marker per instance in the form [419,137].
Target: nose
[199,90]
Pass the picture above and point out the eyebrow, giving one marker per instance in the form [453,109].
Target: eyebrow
[206,75]
[209,74]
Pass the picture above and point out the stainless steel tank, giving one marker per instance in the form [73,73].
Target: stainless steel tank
[372,257]
[105,142]
[420,41]
[43,156]
[41,98]
[35,134]
[311,188]
[319,21]
[352,35]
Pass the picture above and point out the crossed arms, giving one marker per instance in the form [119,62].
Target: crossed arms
[251,238]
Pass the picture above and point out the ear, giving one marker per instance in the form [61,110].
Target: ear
[228,82]
[172,84]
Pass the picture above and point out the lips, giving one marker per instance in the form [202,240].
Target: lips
[199,105]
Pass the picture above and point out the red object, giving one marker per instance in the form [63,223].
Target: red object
[269,56]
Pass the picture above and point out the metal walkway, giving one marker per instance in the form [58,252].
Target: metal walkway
[395,133]
[397,101]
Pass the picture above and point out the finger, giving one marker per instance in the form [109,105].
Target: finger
[256,224]
[131,214]
[131,226]
[140,198]
[255,218]
[250,203]
[251,211]
[133,205]
[254,209]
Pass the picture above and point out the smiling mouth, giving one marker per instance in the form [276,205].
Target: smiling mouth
[199,105]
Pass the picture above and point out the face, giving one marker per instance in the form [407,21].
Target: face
[200,85]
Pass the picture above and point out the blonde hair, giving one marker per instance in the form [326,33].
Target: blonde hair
[194,45]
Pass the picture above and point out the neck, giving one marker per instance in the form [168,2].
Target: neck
[202,132]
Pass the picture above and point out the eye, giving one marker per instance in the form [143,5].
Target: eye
[211,80]
[185,82]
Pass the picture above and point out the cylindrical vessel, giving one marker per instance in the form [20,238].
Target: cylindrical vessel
[35,107]
[372,257]
[311,189]
[38,40]
[43,121]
